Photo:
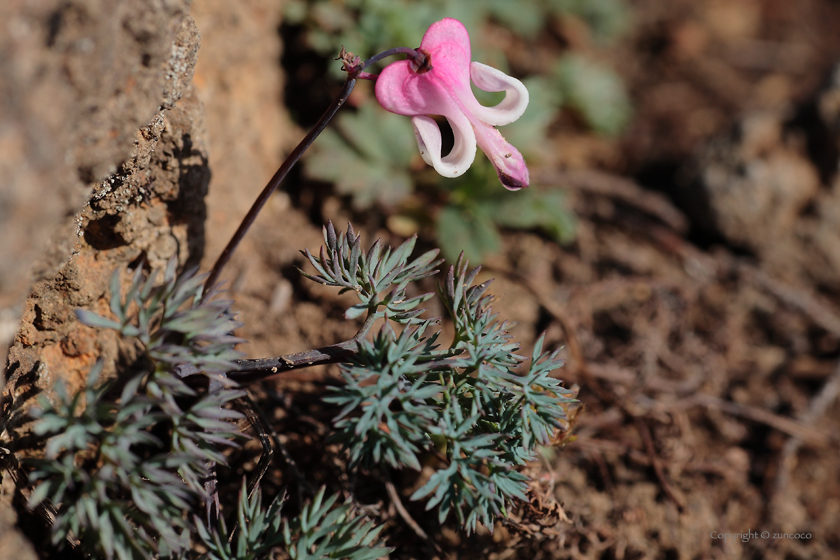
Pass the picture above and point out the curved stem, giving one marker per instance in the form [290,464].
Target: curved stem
[355,73]
[275,181]
[367,76]
[368,324]
[413,54]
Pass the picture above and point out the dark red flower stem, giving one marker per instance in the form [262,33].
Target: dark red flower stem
[416,55]
[353,73]
[275,181]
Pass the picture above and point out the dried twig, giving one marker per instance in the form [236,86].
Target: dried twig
[796,428]
[618,374]
[628,192]
[818,406]
[820,312]
[644,431]
[395,499]
[418,530]
[789,426]
[558,314]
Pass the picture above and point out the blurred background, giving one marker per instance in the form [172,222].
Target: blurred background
[681,240]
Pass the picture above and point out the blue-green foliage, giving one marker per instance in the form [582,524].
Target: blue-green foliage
[125,474]
[404,397]
[124,459]
[386,385]
[321,531]
[121,487]
[343,263]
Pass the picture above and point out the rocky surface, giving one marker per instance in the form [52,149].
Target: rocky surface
[77,81]
[104,165]
[762,188]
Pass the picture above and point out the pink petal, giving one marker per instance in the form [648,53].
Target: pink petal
[445,90]
[400,89]
[450,41]
[448,45]
[509,163]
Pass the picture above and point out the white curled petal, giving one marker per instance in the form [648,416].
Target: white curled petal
[490,79]
[427,133]
[429,141]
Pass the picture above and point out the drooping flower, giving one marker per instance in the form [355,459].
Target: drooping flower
[441,86]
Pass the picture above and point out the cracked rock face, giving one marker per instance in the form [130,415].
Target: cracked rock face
[103,167]
[78,79]
[104,157]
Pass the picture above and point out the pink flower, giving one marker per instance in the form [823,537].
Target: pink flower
[441,86]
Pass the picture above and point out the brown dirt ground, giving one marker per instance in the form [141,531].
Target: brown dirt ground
[701,352]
